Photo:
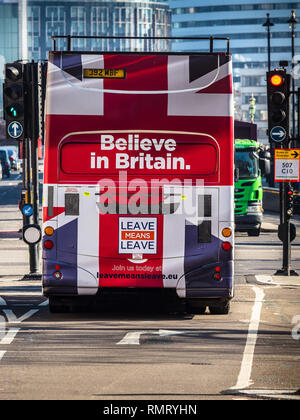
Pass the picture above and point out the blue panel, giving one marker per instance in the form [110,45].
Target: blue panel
[67,238]
[65,255]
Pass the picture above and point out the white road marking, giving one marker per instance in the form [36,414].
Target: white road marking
[244,378]
[133,338]
[11,317]
[163,333]
[2,302]
[10,335]
[45,303]
[7,337]
[277,394]
[264,279]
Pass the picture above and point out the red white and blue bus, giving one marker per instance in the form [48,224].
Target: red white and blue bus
[138,181]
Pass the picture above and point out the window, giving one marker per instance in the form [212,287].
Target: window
[247,163]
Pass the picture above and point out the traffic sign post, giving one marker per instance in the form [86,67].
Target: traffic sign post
[27,210]
[286,170]
[14,93]
[32,116]
[286,160]
[24,122]
[287,165]
[278,91]
[15,129]
[278,134]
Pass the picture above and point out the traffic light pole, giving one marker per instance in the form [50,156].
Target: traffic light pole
[33,167]
[285,233]
[285,227]
[278,95]
[20,104]
[34,151]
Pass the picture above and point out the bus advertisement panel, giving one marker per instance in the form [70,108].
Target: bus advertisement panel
[138,181]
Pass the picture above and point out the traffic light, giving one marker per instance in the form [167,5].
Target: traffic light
[13,100]
[289,200]
[278,91]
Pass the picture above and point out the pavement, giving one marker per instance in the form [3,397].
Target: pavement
[14,256]
[269,227]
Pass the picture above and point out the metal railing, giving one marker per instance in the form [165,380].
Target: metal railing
[211,40]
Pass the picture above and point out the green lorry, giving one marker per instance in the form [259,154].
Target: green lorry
[251,162]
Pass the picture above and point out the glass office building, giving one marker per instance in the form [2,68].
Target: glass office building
[9,43]
[26,26]
[8,31]
[241,21]
[96,18]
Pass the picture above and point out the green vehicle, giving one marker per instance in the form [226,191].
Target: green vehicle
[251,162]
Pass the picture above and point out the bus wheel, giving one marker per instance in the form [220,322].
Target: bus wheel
[193,308]
[57,307]
[221,308]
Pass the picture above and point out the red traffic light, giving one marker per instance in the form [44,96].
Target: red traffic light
[276,80]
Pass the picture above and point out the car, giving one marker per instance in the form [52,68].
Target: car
[5,162]
[13,157]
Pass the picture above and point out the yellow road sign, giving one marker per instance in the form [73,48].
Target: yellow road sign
[287,165]
[287,154]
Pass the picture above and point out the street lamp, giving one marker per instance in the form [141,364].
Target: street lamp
[268,25]
[292,25]
[252,108]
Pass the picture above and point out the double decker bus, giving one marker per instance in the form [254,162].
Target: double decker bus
[138,178]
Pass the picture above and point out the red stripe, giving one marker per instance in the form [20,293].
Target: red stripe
[56,212]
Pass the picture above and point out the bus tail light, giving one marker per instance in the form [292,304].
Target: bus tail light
[226,232]
[226,246]
[48,244]
[49,231]
[57,275]
[217,275]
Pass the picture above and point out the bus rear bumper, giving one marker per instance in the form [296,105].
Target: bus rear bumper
[207,283]
[213,281]
[74,280]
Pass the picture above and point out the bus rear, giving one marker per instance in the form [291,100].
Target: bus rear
[138,182]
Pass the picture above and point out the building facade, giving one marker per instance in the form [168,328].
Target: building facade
[96,18]
[242,22]
[9,33]
[26,26]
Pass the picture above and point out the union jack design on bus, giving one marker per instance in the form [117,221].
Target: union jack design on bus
[138,181]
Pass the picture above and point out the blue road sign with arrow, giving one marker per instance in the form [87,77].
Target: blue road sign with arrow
[15,129]
[27,210]
[278,134]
